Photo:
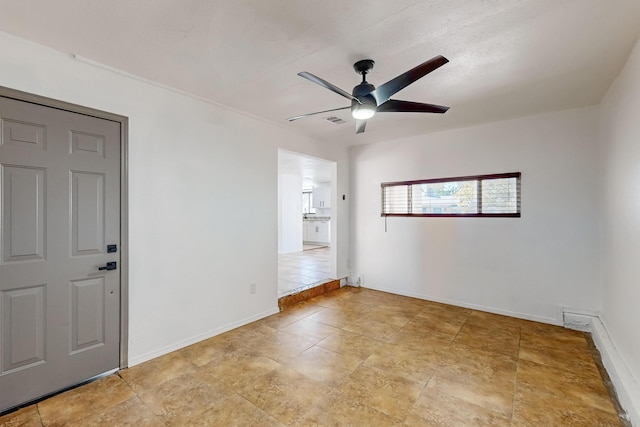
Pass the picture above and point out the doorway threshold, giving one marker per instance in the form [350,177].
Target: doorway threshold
[303,295]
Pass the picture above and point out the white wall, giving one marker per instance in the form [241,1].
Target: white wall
[620,219]
[198,237]
[289,213]
[526,267]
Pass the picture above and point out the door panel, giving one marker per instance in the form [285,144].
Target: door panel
[23,332]
[87,311]
[24,213]
[87,144]
[23,134]
[60,195]
[87,213]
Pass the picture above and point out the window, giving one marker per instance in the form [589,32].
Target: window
[495,195]
[307,202]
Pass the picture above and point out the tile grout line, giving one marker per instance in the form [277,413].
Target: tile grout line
[515,381]
[39,415]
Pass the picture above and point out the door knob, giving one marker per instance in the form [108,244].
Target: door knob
[109,266]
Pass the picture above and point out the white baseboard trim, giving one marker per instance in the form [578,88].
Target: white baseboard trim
[548,320]
[626,386]
[136,360]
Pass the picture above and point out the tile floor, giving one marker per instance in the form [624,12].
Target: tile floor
[303,270]
[354,357]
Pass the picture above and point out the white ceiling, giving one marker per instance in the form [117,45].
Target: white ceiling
[508,57]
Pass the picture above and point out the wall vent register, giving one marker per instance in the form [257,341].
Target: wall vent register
[496,195]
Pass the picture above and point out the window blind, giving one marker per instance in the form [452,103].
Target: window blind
[496,195]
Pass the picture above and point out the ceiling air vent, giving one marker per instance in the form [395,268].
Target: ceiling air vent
[335,120]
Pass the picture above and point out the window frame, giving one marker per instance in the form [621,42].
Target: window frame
[478,178]
[312,210]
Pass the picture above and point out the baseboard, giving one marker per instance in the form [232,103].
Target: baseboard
[192,340]
[525,316]
[626,386]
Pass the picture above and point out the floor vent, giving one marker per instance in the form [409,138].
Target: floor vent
[335,120]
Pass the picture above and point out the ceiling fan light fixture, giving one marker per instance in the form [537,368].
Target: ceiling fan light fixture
[363,112]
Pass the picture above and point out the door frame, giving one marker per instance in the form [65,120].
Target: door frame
[124,197]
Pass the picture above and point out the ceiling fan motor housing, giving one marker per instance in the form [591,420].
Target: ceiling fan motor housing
[363,93]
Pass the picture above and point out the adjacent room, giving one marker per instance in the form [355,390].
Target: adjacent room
[305,256]
[446,193]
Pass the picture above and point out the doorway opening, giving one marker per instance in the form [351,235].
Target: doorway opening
[307,223]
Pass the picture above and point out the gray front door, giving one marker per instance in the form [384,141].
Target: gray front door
[60,208]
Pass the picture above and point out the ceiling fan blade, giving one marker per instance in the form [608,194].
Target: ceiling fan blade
[327,85]
[395,105]
[360,125]
[386,90]
[313,114]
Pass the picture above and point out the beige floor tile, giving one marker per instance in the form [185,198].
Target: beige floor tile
[372,329]
[383,391]
[414,365]
[280,346]
[352,306]
[476,376]
[283,393]
[448,308]
[421,339]
[498,337]
[304,309]
[437,409]
[324,366]
[132,412]
[27,417]
[389,317]
[585,389]
[442,323]
[156,371]
[283,319]
[573,361]
[81,402]
[350,344]
[239,366]
[310,330]
[561,348]
[205,351]
[335,317]
[534,408]
[483,318]
[184,398]
[336,409]
[234,410]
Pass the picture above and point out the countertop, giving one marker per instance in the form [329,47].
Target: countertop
[317,218]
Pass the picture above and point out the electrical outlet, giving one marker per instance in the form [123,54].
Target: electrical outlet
[252,288]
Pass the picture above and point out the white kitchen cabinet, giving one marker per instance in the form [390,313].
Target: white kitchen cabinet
[322,197]
[305,233]
[317,231]
[323,232]
[311,228]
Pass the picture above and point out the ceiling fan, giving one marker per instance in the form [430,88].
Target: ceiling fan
[366,100]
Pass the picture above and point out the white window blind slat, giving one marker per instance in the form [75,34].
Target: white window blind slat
[483,195]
